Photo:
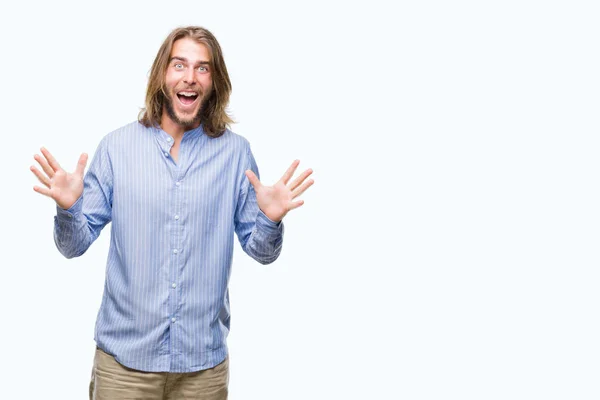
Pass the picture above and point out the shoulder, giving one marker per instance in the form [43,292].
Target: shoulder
[131,131]
[124,137]
[233,141]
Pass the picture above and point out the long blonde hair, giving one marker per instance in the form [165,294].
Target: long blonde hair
[214,116]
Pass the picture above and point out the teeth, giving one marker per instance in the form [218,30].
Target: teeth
[188,94]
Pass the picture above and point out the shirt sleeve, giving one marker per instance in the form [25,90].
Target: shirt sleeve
[77,227]
[260,237]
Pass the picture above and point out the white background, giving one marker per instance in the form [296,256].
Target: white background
[449,247]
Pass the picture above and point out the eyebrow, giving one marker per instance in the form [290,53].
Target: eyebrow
[185,60]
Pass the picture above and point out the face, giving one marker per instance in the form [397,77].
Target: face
[188,82]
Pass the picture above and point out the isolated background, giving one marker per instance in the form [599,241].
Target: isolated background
[449,247]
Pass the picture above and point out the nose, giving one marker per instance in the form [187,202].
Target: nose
[190,76]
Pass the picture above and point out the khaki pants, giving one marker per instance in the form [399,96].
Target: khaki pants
[113,381]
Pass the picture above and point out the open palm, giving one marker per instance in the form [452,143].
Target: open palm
[65,188]
[277,200]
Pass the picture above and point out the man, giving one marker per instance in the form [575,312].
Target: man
[176,184]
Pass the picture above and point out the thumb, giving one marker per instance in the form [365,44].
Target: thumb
[253,179]
[81,164]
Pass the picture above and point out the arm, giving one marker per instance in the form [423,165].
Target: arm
[260,237]
[261,208]
[77,227]
[79,218]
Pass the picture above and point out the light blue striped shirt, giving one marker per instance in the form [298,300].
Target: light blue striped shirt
[165,305]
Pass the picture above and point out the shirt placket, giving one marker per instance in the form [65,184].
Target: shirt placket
[176,251]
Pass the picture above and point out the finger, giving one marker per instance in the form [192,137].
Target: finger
[41,177]
[290,171]
[44,191]
[81,164]
[253,180]
[302,188]
[296,204]
[300,179]
[51,160]
[44,164]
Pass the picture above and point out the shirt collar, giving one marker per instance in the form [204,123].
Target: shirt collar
[188,135]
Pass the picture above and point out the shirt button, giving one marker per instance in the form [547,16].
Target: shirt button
[169,139]
[166,154]
[173,319]
[178,183]
[175,251]
[177,217]
[174,285]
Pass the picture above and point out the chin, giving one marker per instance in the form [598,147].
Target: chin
[187,120]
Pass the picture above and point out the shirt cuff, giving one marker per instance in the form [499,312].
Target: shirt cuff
[267,225]
[71,212]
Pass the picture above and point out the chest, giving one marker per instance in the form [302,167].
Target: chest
[199,181]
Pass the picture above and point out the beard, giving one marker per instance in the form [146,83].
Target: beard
[189,122]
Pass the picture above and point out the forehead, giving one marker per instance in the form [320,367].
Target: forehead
[190,49]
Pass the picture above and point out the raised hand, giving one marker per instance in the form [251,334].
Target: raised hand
[65,188]
[276,201]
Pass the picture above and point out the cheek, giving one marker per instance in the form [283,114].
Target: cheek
[206,83]
[171,80]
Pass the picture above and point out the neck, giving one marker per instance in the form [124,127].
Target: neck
[173,128]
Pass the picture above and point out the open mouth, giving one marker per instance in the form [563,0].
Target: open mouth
[187,98]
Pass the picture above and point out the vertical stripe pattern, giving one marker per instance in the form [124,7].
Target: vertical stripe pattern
[165,306]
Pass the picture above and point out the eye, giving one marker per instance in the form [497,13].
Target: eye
[178,66]
[202,69]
